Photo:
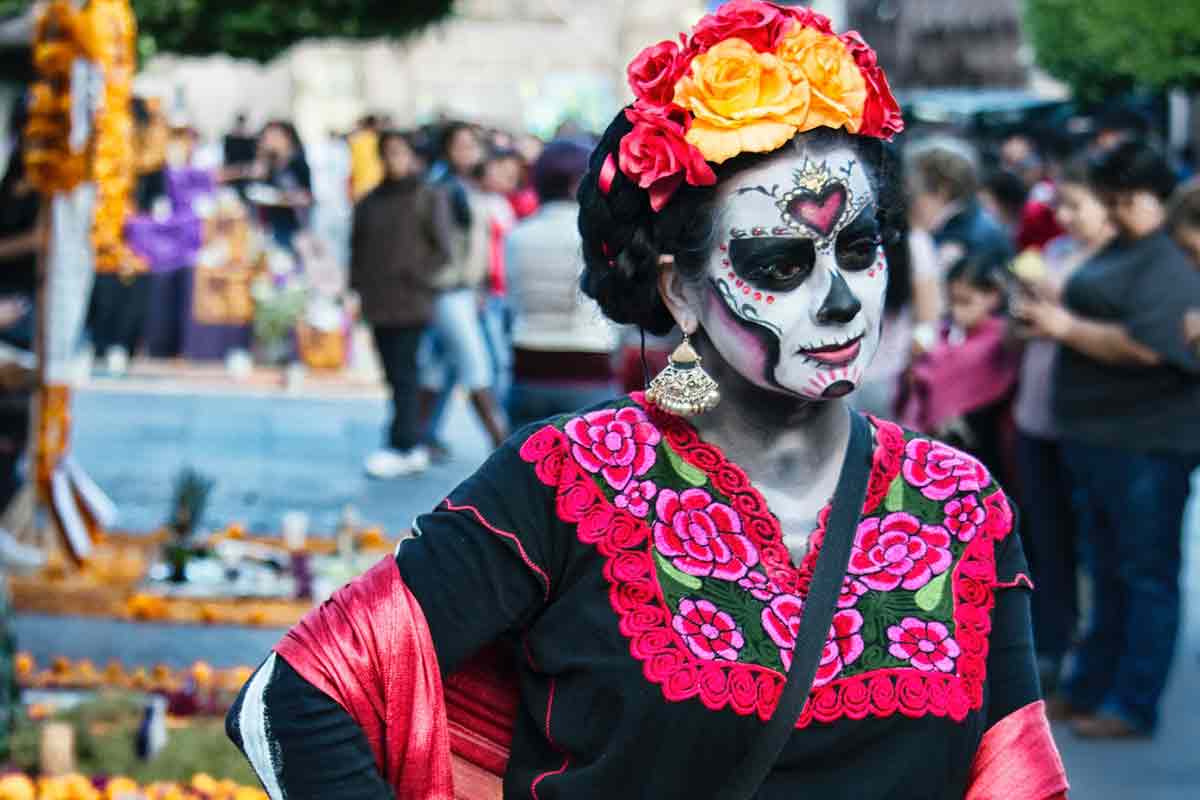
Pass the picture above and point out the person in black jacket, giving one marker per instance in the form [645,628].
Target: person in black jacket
[399,240]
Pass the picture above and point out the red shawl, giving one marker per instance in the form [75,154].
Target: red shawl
[368,647]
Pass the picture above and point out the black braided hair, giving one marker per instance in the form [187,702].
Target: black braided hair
[623,238]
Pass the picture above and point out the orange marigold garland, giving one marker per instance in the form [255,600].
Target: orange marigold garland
[751,76]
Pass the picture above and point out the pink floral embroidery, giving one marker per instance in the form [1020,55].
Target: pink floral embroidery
[928,646]
[852,589]
[636,497]
[844,646]
[709,632]
[781,621]
[759,586]
[618,444]
[702,536]
[940,471]
[964,515]
[899,551]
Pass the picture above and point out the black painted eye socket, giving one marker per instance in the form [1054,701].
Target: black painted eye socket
[774,264]
[857,254]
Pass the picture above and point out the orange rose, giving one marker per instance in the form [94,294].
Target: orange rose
[742,101]
[838,90]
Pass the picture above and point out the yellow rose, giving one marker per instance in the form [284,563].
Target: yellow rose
[742,101]
[837,87]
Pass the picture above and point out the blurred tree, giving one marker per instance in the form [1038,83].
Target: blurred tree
[259,29]
[1102,46]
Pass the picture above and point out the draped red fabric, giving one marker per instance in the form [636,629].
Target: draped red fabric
[368,647]
[1018,760]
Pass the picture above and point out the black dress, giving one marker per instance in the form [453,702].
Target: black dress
[645,585]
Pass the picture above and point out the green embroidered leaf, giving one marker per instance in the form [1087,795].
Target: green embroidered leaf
[667,569]
[930,595]
[895,496]
[690,474]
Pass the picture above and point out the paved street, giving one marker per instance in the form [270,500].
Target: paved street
[272,453]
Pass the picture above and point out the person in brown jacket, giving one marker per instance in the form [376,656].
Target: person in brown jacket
[399,242]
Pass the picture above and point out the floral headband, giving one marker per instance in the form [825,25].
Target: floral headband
[751,77]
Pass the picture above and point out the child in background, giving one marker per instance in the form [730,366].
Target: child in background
[961,388]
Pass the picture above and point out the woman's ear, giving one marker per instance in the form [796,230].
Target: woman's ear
[676,294]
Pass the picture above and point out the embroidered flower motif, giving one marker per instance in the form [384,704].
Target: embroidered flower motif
[852,589]
[710,633]
[964,515]
[636,497]
[618,444]
[844,646]
[940,471]
[928,646]
[899,551]
[781,621]
[701,536]
[759,586]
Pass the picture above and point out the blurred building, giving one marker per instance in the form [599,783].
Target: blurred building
[522,64]
[934,43]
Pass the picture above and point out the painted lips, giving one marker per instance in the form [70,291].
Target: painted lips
[836,355]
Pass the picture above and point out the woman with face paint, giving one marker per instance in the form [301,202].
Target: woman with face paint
[730,586]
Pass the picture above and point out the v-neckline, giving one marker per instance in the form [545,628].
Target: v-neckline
[781,569]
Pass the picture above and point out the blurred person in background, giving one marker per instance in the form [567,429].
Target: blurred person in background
[947,223]
[1051,526]
[366,166]
[1021,155]
[1003,196]
[961,388]
[1125,400]
[19,209]
[283,166]
[239,149]
[1183,219]
[498,178]
[562,347]
[400,239]
[456,351]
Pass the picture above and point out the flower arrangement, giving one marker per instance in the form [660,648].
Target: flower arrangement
[751,76]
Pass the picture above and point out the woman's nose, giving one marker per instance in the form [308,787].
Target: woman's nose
[840,305]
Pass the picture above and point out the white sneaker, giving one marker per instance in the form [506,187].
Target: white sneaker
[117,360]
[388,464]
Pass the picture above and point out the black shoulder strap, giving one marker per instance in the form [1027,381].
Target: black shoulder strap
[819,606]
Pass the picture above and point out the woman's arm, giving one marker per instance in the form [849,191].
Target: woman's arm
[301,743]
[1107,342]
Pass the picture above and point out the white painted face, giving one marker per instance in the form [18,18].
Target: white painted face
[797,278]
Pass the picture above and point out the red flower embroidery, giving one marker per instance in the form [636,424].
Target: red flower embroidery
[940,471]
[758,585]
[655,71]
[781,621]
[844,646]
[618,444]
[636,497]
[702,536]
[899,551]
[709,632]
[852,589]
[928,646]
[964,515]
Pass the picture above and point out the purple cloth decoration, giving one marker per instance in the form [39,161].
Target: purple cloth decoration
[185,185]
[168,245]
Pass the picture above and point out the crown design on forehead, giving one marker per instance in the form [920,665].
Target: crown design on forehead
[750,77]
[819,200]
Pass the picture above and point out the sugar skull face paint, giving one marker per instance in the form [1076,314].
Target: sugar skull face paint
[797,279]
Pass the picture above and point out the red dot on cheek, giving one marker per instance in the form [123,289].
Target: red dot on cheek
[745,290]
[770,299]
[758,295]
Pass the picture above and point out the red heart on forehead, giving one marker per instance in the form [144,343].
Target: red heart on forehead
[820,212]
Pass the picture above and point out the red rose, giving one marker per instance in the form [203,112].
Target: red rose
[881,114]
[760,24]
[911,693]
[642,618]
[938,697]
[856,699]
[656,155]
[826,703]
[999,516]
[627,531]
[958,703]
[627,597]
[770,687]
[809,18]
[714,685]
[743,691]
[629,567]
[972,591]
[542,442]
[594,527]
[663,664]
[883,695]
[655,71]
[577,500]
[683,683]
[650,643]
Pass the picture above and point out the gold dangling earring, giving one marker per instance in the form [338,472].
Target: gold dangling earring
[684,388]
